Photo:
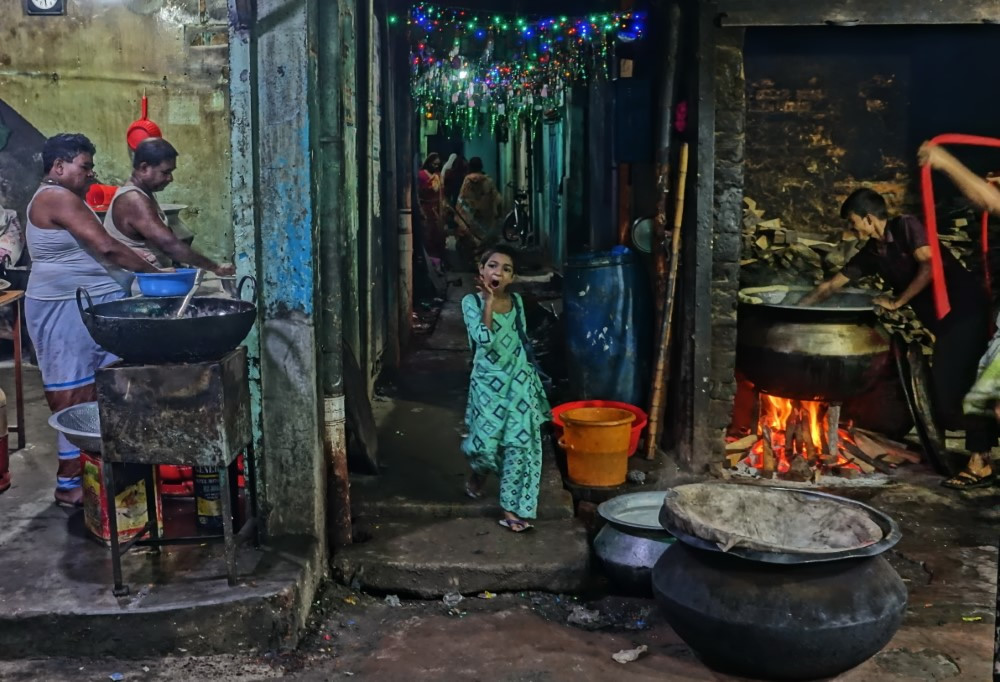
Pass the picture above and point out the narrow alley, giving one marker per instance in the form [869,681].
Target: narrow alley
[499,340]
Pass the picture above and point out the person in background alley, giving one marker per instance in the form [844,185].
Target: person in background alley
[507,405]
[898,251]
[453,175]
[479,205]
[431,197]
[134,216]
[70,250]
[983,399]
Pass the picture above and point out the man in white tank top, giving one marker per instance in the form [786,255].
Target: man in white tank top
[70,250]
[134,216]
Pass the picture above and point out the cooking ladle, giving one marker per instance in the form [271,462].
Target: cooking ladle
[187,299]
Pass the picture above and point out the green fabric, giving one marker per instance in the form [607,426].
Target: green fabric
[984,394]
[506,408]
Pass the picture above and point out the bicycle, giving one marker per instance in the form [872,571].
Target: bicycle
[517,225]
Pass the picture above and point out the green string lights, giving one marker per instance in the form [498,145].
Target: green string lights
[472,70]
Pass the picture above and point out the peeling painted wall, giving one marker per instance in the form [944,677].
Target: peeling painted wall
[86,72]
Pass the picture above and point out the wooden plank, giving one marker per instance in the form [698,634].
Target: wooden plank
[742,444]
[891,447]
[856,12]
[855,452]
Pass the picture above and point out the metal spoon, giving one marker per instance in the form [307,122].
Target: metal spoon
[187,299]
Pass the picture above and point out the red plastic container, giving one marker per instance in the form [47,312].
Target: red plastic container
[178,481]
[99,196]
[637,426]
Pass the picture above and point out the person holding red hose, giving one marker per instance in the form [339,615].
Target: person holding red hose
[898,250]
[985,195]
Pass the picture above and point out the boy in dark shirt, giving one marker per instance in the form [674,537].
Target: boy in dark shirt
[898,250]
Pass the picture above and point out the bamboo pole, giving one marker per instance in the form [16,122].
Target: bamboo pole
[662,367]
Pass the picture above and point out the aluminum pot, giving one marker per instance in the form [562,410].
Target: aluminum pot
[831,352]
[632,540]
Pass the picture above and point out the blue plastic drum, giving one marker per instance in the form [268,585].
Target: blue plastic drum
[608,314]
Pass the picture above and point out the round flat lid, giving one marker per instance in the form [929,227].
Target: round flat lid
[642,234]
[634,510]
[775,520]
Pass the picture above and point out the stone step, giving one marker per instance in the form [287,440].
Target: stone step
[552,507]
[430,558]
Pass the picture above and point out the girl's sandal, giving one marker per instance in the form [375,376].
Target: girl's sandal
[474,486]
[515,525]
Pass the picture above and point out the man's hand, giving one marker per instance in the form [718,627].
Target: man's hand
[225,270]
[931,155]
[886,302]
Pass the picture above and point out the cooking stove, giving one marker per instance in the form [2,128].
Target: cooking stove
[190,414]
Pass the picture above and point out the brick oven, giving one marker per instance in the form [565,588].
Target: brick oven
[799,103]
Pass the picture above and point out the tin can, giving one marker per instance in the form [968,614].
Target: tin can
[207,497]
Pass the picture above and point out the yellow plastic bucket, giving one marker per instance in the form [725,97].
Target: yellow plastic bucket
[596,442]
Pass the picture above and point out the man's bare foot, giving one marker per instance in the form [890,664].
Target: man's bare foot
[978,473]
[69,498]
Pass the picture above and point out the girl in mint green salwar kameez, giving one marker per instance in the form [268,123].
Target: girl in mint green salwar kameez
[507,404]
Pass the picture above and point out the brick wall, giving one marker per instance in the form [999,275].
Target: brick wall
[730,125]
[822,120]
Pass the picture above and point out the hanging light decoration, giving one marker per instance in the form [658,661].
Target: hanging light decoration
[472,70]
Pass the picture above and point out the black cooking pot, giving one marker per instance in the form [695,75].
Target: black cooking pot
[831,351]
[779,622]
[144,330]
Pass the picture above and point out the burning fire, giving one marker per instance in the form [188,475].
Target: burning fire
[788,429]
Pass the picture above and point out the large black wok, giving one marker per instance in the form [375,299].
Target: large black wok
[831,351]
[144,331]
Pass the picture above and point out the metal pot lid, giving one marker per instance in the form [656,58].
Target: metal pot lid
[888,530]
[634,510]
[642,234]
[786,297]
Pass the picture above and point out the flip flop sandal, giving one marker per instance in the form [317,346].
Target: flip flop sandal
[473,491]
[515,525]
[966,480]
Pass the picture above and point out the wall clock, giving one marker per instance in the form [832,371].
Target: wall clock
[44,7]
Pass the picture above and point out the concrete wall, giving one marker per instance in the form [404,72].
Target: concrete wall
[287,133]
[86,72]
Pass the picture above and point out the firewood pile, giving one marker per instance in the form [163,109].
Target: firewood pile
[774,254]
[845,451]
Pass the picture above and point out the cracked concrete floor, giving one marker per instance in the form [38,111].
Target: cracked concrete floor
[948,558]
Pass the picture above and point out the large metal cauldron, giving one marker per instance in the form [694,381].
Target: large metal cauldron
[795,615]
[831,351]
[144,331]
[779,622]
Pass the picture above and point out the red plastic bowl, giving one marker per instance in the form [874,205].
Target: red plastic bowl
[637,426]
